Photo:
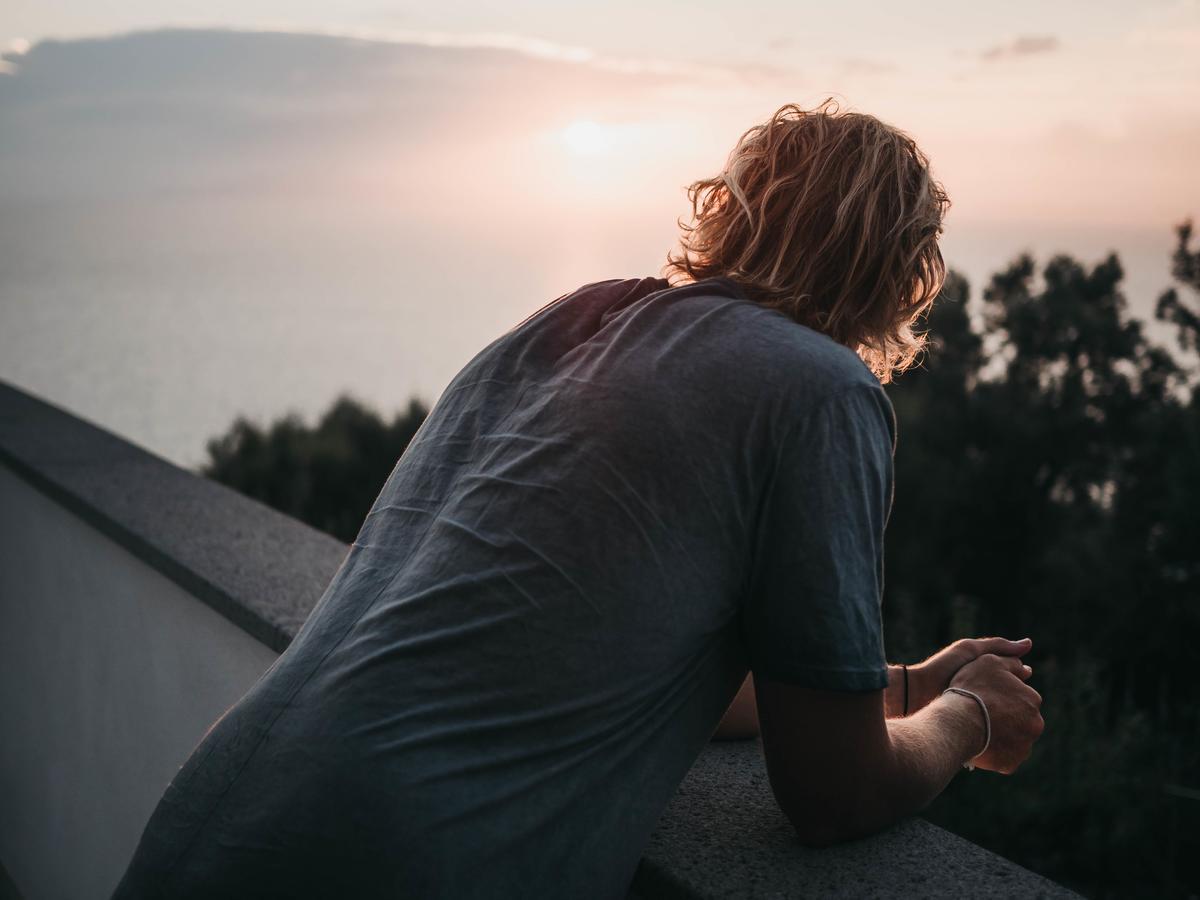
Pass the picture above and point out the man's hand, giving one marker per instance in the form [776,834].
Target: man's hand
[1013,706]
[927,680]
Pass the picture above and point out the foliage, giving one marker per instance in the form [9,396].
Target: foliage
[1050,489]
[328,475]
[1047,485]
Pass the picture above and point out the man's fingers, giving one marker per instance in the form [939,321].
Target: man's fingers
[999,646]
[1018,668]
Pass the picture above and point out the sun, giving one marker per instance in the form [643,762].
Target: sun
[587,138]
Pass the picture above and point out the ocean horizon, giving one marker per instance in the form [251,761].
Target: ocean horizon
[166,334]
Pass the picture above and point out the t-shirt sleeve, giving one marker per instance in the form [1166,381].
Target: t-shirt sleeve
[812,615]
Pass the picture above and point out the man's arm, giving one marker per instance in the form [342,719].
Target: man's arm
[840,769]
[740,722]
[926,681]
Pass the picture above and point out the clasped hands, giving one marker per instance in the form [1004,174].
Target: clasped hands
[993,669]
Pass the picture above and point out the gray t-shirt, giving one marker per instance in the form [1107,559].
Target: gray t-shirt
[611,513]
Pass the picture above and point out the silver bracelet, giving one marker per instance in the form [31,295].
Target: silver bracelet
[987,721]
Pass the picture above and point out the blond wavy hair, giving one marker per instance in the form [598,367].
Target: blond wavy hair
[831,217]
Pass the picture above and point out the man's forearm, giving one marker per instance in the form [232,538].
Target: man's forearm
[925,751]
[929,748]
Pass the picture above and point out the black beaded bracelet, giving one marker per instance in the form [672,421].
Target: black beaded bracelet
[904,666]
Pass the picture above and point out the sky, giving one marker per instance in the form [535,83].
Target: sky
[200,196]
[1068,112]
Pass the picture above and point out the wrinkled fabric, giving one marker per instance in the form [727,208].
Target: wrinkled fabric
[613,511]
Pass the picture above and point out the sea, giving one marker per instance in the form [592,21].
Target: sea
[164,327]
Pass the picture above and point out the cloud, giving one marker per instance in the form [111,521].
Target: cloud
[204,110]
[1025,45]
[539,48]
[521,45]
[204,78]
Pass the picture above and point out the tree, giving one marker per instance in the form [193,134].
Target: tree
[1049,489]
[327,476]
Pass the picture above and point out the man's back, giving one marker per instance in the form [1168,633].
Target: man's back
[539,625]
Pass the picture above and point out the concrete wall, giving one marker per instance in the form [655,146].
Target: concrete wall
[109,675]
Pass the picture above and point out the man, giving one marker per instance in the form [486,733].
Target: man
[617,512]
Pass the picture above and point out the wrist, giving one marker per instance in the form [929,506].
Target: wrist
[919,695]
[970,708]
[919,692]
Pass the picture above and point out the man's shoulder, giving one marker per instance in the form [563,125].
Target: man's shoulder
[799,365]
[707,338]
[807,379]
[822,361]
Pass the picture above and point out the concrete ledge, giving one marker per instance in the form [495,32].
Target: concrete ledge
[723,835]
[262,570]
